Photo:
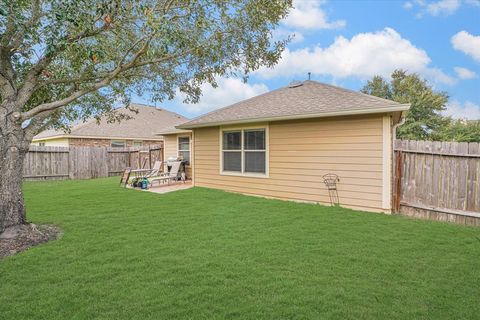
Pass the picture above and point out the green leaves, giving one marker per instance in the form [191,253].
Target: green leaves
[424,120]
[155,46]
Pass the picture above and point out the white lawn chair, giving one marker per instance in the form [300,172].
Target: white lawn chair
[155,170]
[167,176]
[137,174]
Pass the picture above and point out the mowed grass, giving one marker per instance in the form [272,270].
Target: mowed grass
[207,254]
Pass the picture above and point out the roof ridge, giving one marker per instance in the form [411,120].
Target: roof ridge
[157,109]
[352,91]
[235,103]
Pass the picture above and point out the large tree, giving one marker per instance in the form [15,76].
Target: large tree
[424,120]
[62,60]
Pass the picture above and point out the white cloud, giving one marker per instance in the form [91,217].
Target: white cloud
[362,56]
[282,34]
[464,73]
[467,43]
[438,7]
[307,14]
[446,7]
[475,3]
[468,110]
[229,90]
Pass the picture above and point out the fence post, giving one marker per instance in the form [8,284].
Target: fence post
[398,180]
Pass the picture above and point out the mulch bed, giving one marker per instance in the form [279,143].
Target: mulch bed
[28,236]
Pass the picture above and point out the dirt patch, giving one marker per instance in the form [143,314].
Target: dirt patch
[21,238]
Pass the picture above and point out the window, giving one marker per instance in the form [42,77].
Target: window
[244,151]
[118,143]
[137,143]
[41,144]
[184,149]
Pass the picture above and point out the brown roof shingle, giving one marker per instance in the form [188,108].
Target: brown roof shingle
[143,125]
[306,99]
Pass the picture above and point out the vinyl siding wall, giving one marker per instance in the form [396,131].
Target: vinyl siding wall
[300,153]
[171,149]
[60,142]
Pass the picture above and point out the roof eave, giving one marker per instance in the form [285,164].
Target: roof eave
[395,108]
[178,131]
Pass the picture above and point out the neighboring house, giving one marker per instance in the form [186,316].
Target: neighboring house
[281,143]
[140,130]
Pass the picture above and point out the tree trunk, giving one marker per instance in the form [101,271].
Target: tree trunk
[13,149]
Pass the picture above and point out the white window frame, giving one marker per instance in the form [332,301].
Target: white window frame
[189,147]
[242,150]
[136,142]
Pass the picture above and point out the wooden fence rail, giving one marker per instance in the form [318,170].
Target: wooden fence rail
[438,180]
[58,163]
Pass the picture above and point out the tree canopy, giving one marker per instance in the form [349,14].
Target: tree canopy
[91,53]
[62,60]
[424,120]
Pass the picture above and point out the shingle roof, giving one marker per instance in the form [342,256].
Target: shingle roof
[303,100]
[143,125]
[172,130]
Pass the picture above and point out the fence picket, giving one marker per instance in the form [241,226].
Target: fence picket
[441,180]
[53,163]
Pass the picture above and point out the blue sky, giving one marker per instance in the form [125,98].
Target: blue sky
[345,43]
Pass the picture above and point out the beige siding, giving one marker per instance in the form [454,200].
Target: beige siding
[300,152]
[60,142]
[171,149]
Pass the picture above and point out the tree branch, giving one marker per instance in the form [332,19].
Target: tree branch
[34,19]
[8,87]
[32,79]
[100,84]
[36,125]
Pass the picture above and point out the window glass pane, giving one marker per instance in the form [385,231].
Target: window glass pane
[254,139]
[184,155]
[255,162]
[232,140]
[184,143]
[137,143]
[118,143]
[232,161]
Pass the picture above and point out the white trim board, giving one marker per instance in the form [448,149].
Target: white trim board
[387,163]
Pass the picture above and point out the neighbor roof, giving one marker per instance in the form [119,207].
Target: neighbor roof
[308,99]
[172,130]
[143,125]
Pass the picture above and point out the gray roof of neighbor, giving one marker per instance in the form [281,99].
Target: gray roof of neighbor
[300,100]
[172,130]
[143,125]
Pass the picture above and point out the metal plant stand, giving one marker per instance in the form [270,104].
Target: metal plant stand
[330,181]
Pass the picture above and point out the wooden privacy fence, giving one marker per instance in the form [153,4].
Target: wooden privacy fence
[438,180]
[56,163]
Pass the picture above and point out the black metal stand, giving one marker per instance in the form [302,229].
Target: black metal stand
[330,181]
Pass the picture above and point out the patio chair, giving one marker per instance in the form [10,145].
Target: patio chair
[139,174]
[167,176]
[155,170]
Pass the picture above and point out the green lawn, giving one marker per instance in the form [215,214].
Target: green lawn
[206,254]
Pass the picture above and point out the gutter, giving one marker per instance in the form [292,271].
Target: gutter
[396,108]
